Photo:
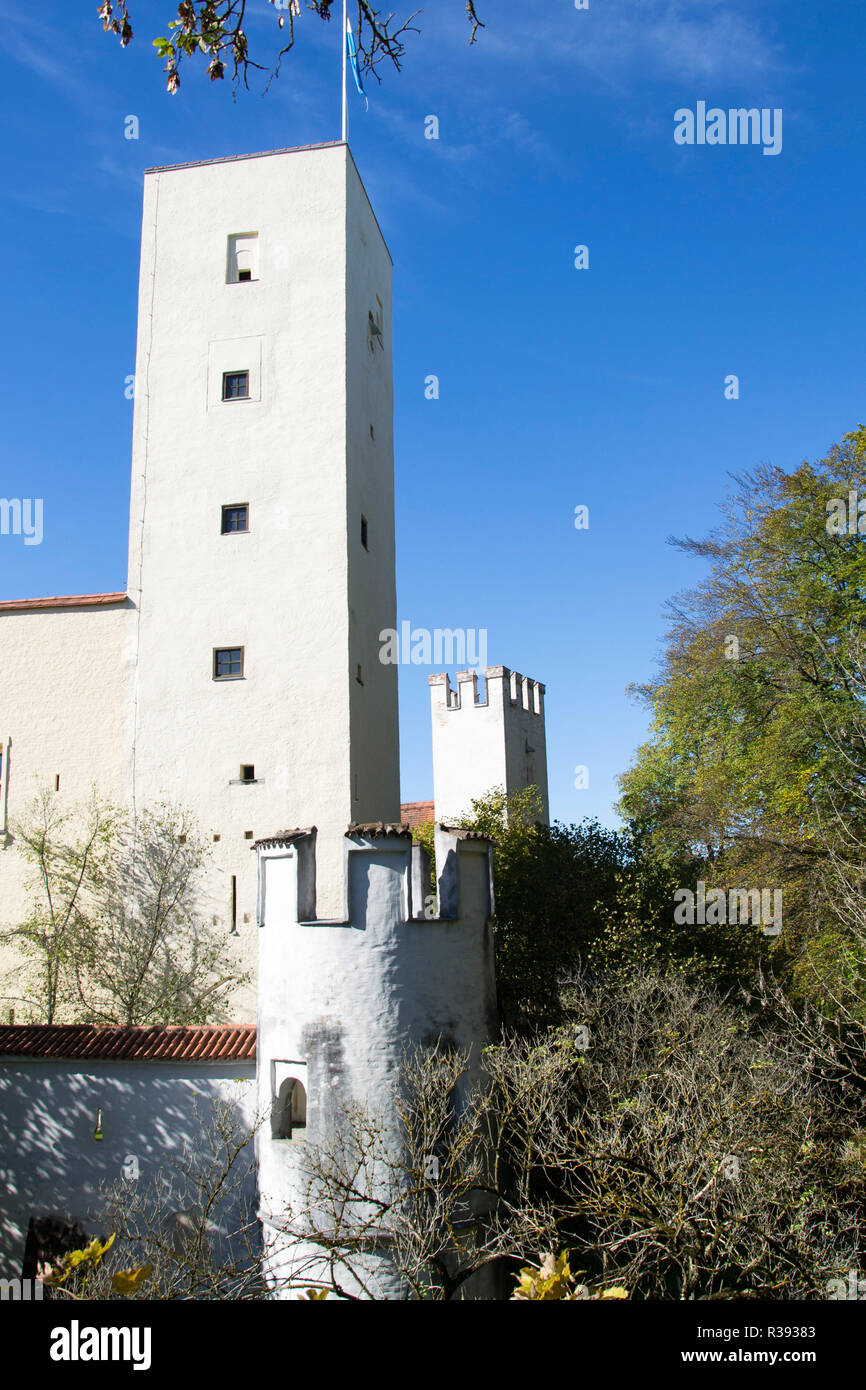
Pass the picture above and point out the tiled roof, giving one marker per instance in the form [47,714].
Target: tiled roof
[461,833]
[16,605]
[370,829]
[283,837]
[173,1043]
[417,812]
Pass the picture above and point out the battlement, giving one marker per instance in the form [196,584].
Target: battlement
[503,688]
[464,874]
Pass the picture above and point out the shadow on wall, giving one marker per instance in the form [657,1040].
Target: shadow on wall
[153,1119]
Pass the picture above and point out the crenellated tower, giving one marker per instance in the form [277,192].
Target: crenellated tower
[483,741]
[341,1001]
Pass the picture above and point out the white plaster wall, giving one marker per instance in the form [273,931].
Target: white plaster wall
[284,590]
[524,731]
[61,706]
[375,755]
[50,1164]
[468,749]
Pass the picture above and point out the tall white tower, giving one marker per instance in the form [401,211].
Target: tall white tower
[261,565]
[479,743]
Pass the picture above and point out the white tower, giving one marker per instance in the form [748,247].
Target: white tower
[261,565]
[481,743]
[341,1001]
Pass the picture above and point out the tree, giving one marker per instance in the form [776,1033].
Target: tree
[756,757]
[63,861]
[215,28]
[148,956]
[187,1233]
[712,1161]
[582,896]
[669,1143]
[115,928]
[757,668]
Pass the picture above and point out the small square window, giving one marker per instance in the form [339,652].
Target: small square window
[228,663]
[236,386]
[235,518]
[248,772]
[248,834]
[364,532]
[244,276]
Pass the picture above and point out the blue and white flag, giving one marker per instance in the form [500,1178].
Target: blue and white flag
[353,59]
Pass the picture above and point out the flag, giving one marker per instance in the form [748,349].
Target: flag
[353,59]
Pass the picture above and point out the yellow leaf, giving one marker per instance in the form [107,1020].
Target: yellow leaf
[130,1280]
[551,1280]
[99,1250]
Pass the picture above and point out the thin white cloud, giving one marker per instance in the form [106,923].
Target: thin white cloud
[518,131]
[614,40]
[57,73]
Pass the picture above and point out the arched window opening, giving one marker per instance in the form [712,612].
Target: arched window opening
[290,1111]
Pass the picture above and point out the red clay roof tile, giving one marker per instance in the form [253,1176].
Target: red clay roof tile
[161,1043]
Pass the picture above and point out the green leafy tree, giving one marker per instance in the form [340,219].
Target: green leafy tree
[757,677]
[582,896]
[757,755]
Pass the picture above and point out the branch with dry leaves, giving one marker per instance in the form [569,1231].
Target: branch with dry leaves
[216,29]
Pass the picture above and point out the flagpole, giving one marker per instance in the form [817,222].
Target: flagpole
[345,98]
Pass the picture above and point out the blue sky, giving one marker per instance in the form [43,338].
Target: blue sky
[558,387]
